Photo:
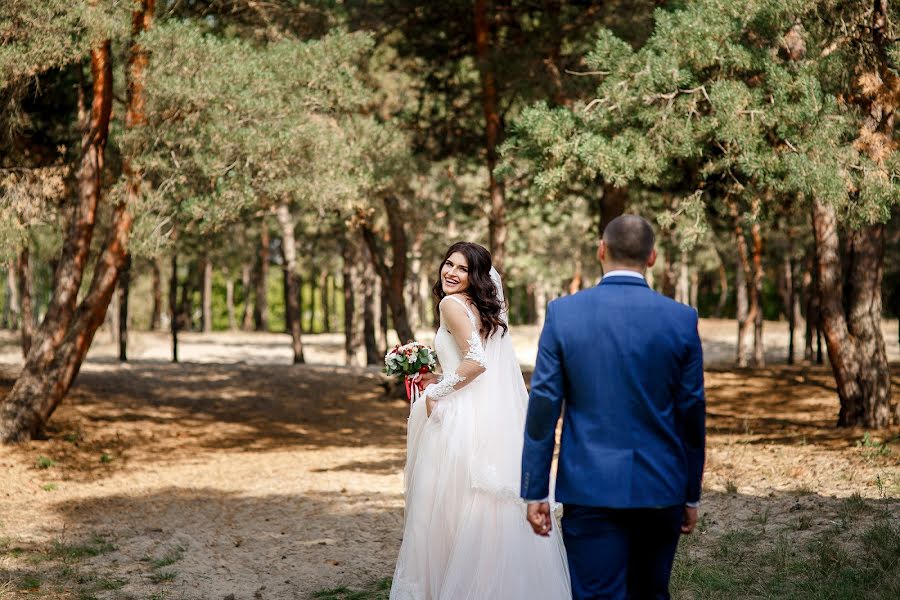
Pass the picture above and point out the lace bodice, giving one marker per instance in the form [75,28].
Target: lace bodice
[459,348]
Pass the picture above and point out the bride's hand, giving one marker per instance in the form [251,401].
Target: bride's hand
[424,380]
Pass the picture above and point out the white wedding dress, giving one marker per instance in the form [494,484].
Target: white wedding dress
[465,534]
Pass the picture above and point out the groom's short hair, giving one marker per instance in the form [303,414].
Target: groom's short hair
[629,239]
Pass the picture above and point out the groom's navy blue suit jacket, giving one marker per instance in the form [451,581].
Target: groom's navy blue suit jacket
[627,366]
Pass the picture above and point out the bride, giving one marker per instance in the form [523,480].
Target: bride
[465,534]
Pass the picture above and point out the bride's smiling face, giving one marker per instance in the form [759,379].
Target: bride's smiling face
[455,274]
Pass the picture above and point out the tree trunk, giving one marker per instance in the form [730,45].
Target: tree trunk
[576,282]
[65,335]
[289,251]
[612,203]
[186,309]
[206,296]
[669,281]
[369,286]
[246,288]
[393,278]
[759,356]
[747,303]
[26,288]
[229,301]
[124,288]
[683,290]
[173,301]
[12,309]
[156,284]
[326,306]
[497,229]
[723,291]
[353,333]
[851,320]
[313,298]
[261,306]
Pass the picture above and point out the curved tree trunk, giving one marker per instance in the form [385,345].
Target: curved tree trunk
[11,310]
[52,360]
[759,351]
[292,293]
[851,320]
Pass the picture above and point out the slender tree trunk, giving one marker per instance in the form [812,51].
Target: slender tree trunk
[173,301]
[353,305]
[759,353]
[186,310]
[206,296]
[289,250]
[723,291]
[124,289]
[13,306]
[229,301]
[26,288]
[393,278]
[851,320]
[369,287]
[246,289]
[669,281]
[156,284]
[742,313]
[747,303]
[497,228]
[261,306]
[313,300]
[326,306]
[683,290]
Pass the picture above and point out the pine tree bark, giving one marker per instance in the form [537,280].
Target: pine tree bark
[759,351]
[289,251]
[12,309]
[393,277]
[723,291]
[247,289]
[369,287]
[26,287]
[612,203]
[497,228]
[173,300]
[206,296]
[261,305]
[326,305]
[156,285]
[62,341]
[353,333]
[229,301]
[124,289]
[851,320]
[186,305]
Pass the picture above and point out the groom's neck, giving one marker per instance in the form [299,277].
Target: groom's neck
[610,267]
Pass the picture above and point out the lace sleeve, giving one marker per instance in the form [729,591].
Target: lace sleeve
[462,325]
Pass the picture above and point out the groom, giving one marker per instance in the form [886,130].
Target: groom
[627,366]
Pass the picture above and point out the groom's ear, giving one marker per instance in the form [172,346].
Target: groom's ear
[601,251]
[652,260]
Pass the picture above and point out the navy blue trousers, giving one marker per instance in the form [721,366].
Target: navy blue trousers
[621,554]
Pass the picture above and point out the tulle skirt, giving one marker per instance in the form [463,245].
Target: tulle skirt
[465,534]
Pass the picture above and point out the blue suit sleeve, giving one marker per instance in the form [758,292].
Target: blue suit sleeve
[544,407]
[690,410]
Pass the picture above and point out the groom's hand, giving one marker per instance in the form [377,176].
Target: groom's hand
[689,521]
[539,517]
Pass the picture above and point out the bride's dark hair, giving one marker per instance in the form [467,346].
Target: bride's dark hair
[481,290]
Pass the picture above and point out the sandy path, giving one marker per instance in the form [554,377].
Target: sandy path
[274,481]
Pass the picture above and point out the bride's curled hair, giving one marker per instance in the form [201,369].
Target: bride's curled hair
[481,291]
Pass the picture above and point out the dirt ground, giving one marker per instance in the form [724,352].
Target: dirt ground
[238,475]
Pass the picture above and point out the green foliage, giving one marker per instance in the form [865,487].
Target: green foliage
[711,107]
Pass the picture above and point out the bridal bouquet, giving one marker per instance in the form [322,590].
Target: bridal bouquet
[409,360]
